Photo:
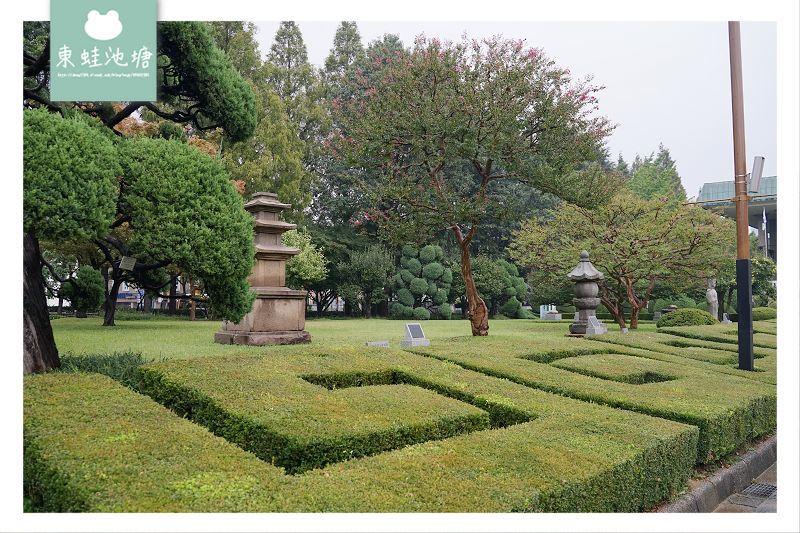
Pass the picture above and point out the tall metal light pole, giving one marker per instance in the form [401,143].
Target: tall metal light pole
[744,287]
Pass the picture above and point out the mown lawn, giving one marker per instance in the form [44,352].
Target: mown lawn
[156,339]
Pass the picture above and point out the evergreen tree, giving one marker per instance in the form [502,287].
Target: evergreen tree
[656,177]
[347,52]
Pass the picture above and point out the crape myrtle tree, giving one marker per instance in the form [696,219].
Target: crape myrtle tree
[635,243]
[447,123]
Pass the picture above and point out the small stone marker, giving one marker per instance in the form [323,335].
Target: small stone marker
[378,344]
[127,263]
[657,315]
[726,319]
[595,327]
[414,336]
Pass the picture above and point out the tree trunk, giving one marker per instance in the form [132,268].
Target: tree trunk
[478,313]
[111,303]
[172,305]
[104,271]
[367,305]
[60,305]
[635,317]
[39,347]
[148,304]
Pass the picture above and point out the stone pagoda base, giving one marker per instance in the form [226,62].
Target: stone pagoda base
[256,338]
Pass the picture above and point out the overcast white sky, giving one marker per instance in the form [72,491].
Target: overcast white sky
[665,82]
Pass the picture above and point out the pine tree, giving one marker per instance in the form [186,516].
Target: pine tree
[347,51]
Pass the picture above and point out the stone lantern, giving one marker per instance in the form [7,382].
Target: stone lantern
[586,276]
[278,315]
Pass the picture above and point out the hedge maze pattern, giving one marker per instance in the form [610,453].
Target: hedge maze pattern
[472,424]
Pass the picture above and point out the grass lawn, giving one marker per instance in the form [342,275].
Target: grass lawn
[524,420]
[157,339]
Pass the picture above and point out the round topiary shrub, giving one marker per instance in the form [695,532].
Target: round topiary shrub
[428,254]
[420,313]
[686,317]
[432,270]
[418,286]
[440,297]
[414,266]
[396,310]
[447,276]
[406,276]
[764,313]
[408,312]
[409,251]
[445,312]
[405,297]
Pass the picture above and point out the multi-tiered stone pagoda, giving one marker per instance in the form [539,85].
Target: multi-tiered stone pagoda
[278,315]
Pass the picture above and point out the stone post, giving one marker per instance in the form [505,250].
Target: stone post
[278,315]
[586,276]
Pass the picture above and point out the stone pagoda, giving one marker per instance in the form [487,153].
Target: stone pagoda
[278,315]
[586,276]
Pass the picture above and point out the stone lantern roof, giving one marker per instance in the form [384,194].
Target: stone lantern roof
[585,270]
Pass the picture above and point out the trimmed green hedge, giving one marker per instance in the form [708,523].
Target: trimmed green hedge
[729,410]
[707,355]
[723,333]
[91,444]
[308,427]
[686,317]
[133,455]
[764,313]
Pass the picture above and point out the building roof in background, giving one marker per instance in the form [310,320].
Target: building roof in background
[724,190]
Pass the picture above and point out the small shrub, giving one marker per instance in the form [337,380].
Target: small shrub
[686,317]
[764,313]
[418,286]
[408,312]
[414,266]
[420,313]
[445,312]
[396,310]
[86,293]
[428,254]
[405,297]
[511,308]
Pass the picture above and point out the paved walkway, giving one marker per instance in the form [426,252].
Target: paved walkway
[760,497]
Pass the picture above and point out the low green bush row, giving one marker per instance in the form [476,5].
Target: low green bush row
[92,444]
[729,410]
[706,355]
[764,313]
[384,417]
[723,333]
[686,317]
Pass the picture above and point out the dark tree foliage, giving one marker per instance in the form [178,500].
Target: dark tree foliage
[197,84]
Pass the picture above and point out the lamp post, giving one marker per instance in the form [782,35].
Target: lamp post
[744,287]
